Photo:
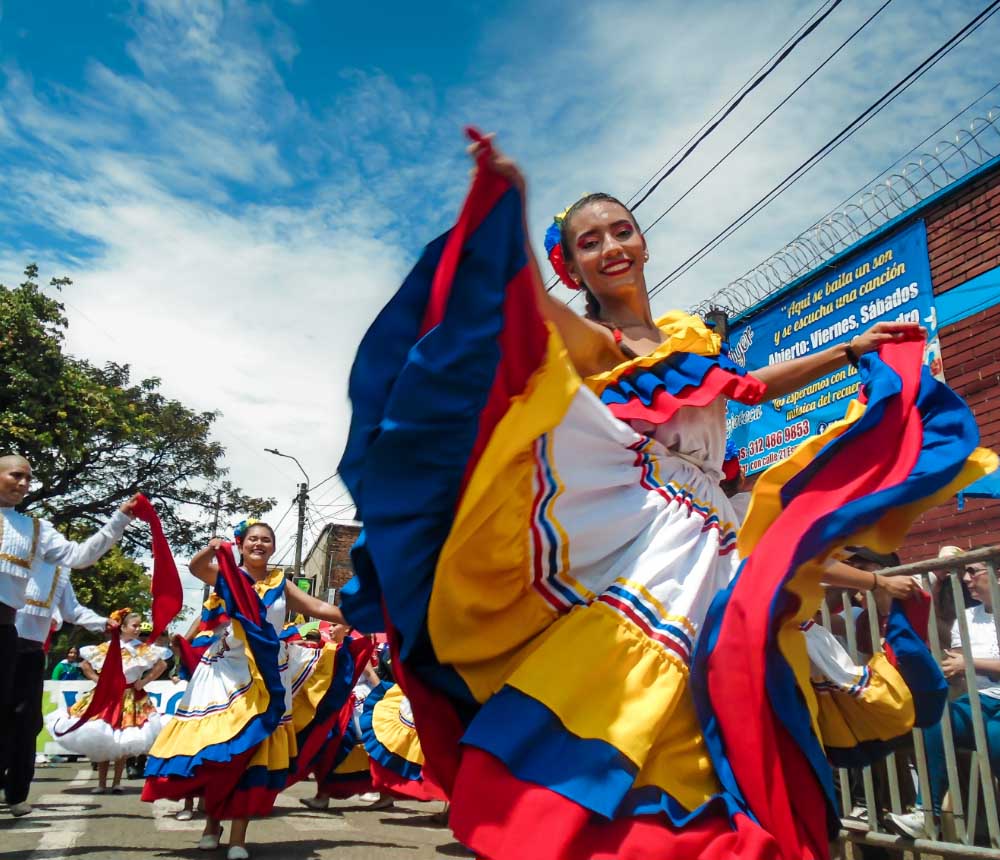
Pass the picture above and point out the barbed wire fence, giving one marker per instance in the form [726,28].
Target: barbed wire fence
[908,182]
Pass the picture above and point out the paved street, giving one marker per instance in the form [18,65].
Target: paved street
[69,821]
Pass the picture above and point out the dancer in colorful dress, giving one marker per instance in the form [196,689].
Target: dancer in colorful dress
[342,767]
[390,738]
[232,740]
[29,546]
[123,731]
[559,567]
[323,678]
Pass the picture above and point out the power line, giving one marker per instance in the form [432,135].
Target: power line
[759,80]
[327,478]
[339,495]
[554,279]
[284,515]
[917,146]
[860,121]
[773,111]
[725,104]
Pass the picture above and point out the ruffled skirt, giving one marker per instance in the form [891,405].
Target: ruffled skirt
[131,732]
[570,617]
[390,738]
[231,740]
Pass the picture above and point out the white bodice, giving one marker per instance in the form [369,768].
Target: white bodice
[696,434]
[137,657]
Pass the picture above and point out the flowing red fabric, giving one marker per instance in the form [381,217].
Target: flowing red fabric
[504,818]
[188,655]
[331,731]
[109,690]
[772,771]
[390,782]
[168,594]
[168,598]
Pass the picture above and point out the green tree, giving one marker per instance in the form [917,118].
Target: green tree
[94,437]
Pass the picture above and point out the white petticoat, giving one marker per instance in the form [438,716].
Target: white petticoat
[99,741]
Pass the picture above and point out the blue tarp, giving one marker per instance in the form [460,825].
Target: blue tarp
[970,298]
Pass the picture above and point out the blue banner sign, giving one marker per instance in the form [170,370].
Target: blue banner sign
[888,281]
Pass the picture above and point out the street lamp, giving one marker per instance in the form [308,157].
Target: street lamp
[301,499]
[278,453]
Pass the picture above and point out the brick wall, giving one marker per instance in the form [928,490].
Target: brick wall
[341,539]
[963,233]
[963,240]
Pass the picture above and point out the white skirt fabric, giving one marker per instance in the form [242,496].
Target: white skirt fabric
[100,741]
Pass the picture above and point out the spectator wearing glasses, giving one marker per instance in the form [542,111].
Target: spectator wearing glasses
[986,662]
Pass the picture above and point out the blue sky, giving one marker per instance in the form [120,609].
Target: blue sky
[243,184]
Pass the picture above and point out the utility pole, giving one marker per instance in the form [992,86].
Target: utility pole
[303,491]
[215,532]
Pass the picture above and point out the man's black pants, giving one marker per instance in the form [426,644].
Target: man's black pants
[21,721]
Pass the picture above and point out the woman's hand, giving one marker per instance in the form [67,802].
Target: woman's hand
[897,587]
[128,507]
[215,543]
[139,686]
[886,332]
[486,155]
[952,664]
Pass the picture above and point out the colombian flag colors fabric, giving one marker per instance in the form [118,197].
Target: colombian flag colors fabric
[322,680]
[906,444]
[549,554]
[390,738]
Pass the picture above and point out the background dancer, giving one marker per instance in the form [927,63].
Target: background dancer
[395,755]
[26,541]
[231,739]
[128,729]
[49,595]
[343,769]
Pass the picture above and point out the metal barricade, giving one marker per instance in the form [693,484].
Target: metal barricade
[970,826]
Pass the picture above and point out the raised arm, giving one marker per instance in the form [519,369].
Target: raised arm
[56,549]
[299,601]
[787,376]
[591,347]
[203,564]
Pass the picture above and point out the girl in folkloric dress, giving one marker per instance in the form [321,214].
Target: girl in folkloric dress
[232,739]
[133,728]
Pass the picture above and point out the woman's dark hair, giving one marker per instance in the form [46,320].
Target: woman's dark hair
[274,537]
[593,306]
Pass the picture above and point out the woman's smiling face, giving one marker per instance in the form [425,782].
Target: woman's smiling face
[258,545]
[608,251]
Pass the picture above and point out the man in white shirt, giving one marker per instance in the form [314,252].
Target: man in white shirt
[49,597]
[27,542]
[986,662]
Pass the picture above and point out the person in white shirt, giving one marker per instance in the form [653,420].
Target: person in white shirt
[26,544]
[49,597]
[986,662]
